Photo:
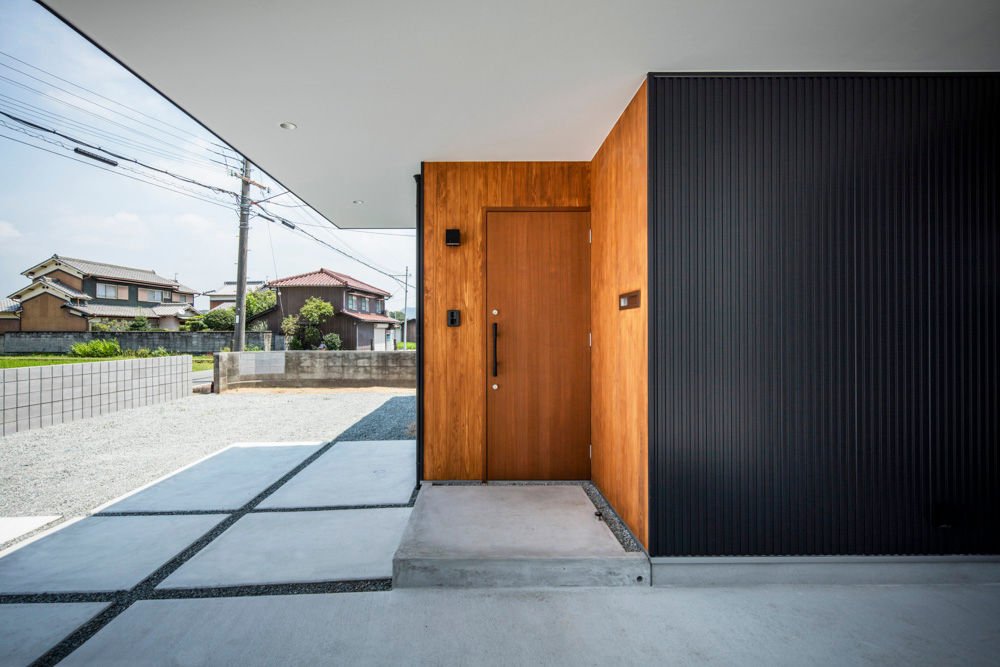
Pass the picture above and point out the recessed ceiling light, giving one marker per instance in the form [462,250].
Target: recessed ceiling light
[359,201]
[287,126]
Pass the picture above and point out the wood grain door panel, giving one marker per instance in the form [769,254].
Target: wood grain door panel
[538,282]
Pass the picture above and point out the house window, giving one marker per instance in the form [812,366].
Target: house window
[107,291]
[380,306]
[351,305]
[364,304]
[154,295]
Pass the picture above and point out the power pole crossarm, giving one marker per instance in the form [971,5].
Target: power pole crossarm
[239,333]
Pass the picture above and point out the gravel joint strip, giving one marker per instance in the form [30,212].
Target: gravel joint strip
[310,588]
[146,589]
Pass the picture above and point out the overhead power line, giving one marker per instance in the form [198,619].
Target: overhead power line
[106,119]
[190,137]
[118,156]
[116,172]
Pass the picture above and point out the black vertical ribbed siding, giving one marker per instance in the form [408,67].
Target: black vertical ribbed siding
[824,258]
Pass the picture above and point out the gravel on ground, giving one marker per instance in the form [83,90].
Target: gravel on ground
[69,469]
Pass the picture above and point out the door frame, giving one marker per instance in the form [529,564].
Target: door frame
[486,210]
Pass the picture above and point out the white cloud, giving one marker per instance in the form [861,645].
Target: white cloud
[121,230]
[8,231]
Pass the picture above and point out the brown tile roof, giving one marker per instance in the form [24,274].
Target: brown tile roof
[326,278]
[370,317]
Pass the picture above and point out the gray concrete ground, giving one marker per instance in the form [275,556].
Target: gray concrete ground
[225,481]
[353,473]
[28,630]
[511,535]
[100,553]
[69,469]
[771,625]
[201,377]
[297,547]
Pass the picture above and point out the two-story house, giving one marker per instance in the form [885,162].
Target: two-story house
[67,294]
[225,295]
[359,318]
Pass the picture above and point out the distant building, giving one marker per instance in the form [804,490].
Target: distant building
[226,294]
[67,294]
[359,318]
[10,317]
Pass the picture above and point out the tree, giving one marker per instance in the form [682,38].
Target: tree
[260,300]
[304,328]
[139,323]
[397,315]
[315,311]
[220,319]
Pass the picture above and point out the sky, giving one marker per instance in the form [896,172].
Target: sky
[51,204]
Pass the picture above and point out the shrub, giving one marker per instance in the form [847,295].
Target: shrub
[290,325]
[196,324]
[143,352]
[139,323]
[294,344]
[220,319]
[332,341]
[409,346]
[253,348]
[96,348]
[160,352]
[99,326]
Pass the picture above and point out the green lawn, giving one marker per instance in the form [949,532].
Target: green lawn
[203,362]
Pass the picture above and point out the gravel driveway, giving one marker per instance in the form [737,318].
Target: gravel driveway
[69,469]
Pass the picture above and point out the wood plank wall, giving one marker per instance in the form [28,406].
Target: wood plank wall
[45,313]
[619,357]
[455,196]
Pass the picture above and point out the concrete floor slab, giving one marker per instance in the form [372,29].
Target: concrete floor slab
[516,535]
[766,625]
[100,553]
[27,631]
[297,547]
[13,527]
[226,481]
[380,472]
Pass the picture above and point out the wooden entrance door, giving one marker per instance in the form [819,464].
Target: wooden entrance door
[538,347]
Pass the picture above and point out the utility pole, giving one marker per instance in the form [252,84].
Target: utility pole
[406,282]
[239,334]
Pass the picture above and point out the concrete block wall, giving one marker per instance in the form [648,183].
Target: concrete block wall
[333,368]
[39,396]
[181,342]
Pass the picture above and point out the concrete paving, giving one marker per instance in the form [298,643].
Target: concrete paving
[297,547]
[100,553]
[27,631]
[201,377]
[226,481]
[12,527]
[353,473]
[517,535]
[767,625]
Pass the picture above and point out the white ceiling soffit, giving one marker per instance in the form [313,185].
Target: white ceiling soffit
[376,87]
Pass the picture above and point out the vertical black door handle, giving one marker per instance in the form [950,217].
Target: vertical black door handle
[494,349]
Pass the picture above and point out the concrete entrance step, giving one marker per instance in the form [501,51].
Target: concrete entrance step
[511,536]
